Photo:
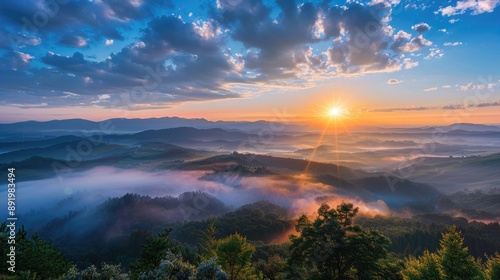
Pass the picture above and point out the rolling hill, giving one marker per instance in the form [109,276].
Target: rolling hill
[452,174]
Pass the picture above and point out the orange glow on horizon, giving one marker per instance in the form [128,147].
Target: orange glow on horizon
[314,115]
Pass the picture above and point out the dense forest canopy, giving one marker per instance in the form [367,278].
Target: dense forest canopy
[337,243]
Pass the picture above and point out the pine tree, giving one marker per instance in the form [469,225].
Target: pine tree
[35,257]
[209,246]
[234,254]
[456,262]
[427,267]
[493,267]
[153,252]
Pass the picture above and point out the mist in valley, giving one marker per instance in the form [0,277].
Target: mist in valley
[43,200]
[459,162]
[74,188]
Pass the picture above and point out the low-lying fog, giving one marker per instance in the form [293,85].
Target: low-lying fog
[89,188]
[454,164]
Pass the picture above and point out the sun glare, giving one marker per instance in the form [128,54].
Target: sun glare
[335,112]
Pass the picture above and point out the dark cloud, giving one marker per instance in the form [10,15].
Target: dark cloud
[12,40]
[359,33]
[72,40]
[332,21]
[15,60]
[364,45]
[488,104]
[278,41]
[73,64]
[494,103]
[4,40]
[185,70]
[129,9]
[173,60]
[169,34]
[51,18]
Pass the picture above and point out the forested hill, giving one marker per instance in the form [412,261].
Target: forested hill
[99,242]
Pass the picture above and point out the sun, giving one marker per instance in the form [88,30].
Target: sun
[335,112]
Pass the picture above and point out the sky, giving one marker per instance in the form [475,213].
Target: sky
[382,62]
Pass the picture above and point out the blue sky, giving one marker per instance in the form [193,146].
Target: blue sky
[235,59]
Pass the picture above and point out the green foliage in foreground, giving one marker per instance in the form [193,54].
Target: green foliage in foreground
[234,254]
[493,267]
[331,247]
[455,260]
[451,262]
[35,258]
[106,272]
[328,247]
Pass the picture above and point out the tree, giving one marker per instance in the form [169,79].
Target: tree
[451,262]
[427,267]
[209,245]
[391,268]
[153,252]
[455,260]
[172,267]
[107,271]
[35,257]
[331,247]
[234,254]
[210,271]
[40,256]
[368,248]
[273,269]
[493,267]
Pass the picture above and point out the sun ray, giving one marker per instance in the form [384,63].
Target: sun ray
[316,147]
[334,114]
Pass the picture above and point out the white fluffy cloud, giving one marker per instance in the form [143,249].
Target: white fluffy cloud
[475,6]
[421,27]
[409,63]
[471,86]
[402,44]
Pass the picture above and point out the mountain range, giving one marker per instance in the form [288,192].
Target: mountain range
[36,129]
[39,129]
